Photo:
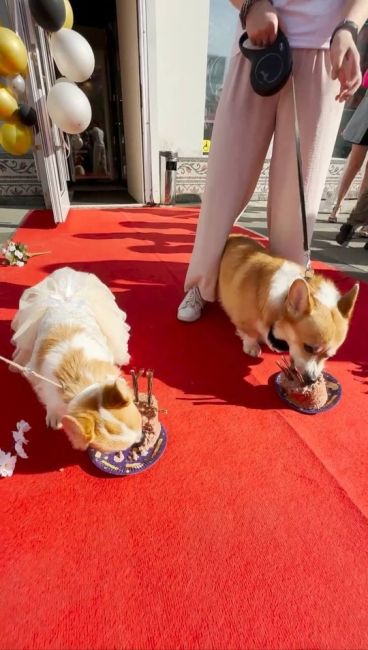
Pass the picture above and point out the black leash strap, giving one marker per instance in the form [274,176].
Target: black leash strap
[300,181]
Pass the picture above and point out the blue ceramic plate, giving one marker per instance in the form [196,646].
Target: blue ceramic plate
[118,463]
[334,391]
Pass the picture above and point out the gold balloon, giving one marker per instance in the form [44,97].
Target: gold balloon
[69,16]
[16,138]
[13,53]
[8,103]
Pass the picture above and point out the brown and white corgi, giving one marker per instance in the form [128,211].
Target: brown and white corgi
[269,300]
[70,330]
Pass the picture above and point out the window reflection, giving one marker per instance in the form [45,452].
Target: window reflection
[221,36]
[92,149]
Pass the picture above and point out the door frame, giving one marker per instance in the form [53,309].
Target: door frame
[133,52]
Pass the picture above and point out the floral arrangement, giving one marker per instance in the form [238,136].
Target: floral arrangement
[7,460]
[17,254]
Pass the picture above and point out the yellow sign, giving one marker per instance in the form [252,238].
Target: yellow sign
[206,145]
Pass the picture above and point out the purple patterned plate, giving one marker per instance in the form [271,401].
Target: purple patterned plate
[117,463]
[334,392]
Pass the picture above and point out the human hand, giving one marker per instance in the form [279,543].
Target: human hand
[345,64]
[262,23]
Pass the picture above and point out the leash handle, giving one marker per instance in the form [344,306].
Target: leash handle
[300,181]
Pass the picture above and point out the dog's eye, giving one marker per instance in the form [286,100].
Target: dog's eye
[309,348]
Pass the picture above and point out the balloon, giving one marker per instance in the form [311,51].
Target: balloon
[27,115]
[13,53]
[64,80]
[8,103]
[72,54]
[69,15]
[17,85]
[69,108]
[48,14]
[15,138]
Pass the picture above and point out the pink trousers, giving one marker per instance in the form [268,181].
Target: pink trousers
[243,130]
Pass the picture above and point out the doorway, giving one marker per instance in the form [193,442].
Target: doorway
[97,161]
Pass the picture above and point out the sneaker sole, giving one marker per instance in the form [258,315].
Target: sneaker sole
[184,319]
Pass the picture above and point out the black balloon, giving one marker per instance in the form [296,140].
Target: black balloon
[48,14]
[27,115]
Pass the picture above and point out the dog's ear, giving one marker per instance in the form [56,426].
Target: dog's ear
[347,302]
[299,302]
[80,430]
[117,395]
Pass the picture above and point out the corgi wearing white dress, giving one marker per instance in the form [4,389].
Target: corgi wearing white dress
[269,300]
[70,330]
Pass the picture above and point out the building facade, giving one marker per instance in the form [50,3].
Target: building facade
[160,66]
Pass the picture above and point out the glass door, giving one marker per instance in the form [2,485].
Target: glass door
[50,146]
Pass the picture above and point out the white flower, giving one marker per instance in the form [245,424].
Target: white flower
[18,435]
[11,247]
[18,254]
[24,426]
[19,263]
[4,251]
[7,464]
[20,451]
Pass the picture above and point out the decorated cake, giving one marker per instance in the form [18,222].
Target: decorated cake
[151,426]
[307,396]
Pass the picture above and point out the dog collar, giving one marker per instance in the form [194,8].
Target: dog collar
[85,392]
[277,344]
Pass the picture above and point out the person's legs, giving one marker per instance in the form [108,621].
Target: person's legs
[242,133]
[364,183]
[359,215]
[353,165]
[357,218]
[319,117]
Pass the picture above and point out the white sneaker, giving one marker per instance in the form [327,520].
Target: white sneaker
[190,309]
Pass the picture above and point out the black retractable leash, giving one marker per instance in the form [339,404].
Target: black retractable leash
[271,68]
[308,266]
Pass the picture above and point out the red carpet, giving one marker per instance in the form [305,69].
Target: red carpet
[251,532]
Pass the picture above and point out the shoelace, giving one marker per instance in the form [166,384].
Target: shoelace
[193,299]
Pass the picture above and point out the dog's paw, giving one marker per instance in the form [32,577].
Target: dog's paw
[53,421]
[252,348]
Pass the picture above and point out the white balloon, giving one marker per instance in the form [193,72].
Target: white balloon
[64,80]
[17,85]
[72,54]
[69,107]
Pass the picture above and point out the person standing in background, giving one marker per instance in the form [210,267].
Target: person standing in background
[356,157]
[99,150]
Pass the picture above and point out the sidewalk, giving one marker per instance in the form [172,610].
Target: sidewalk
[352,260]
[10,219]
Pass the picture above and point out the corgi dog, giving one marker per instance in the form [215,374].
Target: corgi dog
[70,330]
[270,300]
